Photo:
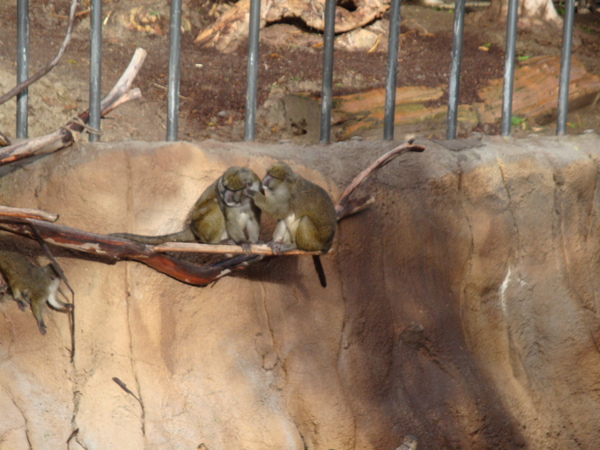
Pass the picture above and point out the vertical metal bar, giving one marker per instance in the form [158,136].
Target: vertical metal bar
[565,68]
[392,66]
[327,83]
[174,70]
[509,67]
[252,71]
[22,65]
[455,59]
[95,66]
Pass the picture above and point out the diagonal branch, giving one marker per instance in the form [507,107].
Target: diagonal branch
[22,222]
[29,81]
[120,93]
[119,249]
[10,213]
[346,206]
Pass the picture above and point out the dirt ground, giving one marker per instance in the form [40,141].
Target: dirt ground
[213,84]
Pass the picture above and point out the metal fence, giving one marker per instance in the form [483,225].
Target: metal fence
[328,55]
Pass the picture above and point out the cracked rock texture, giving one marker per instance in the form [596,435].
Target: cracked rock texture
[462,308]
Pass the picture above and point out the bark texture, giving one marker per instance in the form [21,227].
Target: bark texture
[231,29]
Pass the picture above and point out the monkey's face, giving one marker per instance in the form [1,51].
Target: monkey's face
[276,174]
[270,183]
[234,182]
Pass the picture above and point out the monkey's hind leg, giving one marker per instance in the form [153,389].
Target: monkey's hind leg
[208,225]
[307,238]
[37,308]
[22,301]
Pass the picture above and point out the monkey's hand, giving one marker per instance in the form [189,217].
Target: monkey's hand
[249,192]
[246,246]
[279,247]
[42,327]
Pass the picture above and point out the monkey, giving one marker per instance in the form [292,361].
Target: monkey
[32,285]
[222,213]
[305,213]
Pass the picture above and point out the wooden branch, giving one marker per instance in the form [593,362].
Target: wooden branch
[132,94]
[64,137]
[4,140]
[192,247]
[124,83]
[29,81]
[347,207]
[9,213]
[353,206]
[122,249]
[34,224]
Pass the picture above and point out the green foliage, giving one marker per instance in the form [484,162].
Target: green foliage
[517,121]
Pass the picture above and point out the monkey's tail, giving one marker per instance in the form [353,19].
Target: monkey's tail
[320,271]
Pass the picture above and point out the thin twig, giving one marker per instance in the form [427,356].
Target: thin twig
[52,142]
[29,81]
[61,273]
[123,386]
[347,207]
[71,436]
[21,213]
[192,247]
[79,14]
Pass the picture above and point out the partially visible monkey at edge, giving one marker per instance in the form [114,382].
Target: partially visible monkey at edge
[36,286]
[222,213]
[306,215]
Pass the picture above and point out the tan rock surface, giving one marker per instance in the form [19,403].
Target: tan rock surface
[461,308]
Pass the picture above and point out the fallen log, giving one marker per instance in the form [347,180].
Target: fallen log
[232,27]
[535,99]
[535,92]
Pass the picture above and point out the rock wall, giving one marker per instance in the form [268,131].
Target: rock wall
[462,308]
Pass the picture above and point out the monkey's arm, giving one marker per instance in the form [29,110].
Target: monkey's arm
[275,205]
[37,307]
[235,222]
[253,226]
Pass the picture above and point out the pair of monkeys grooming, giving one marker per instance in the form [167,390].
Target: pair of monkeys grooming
[230,209]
